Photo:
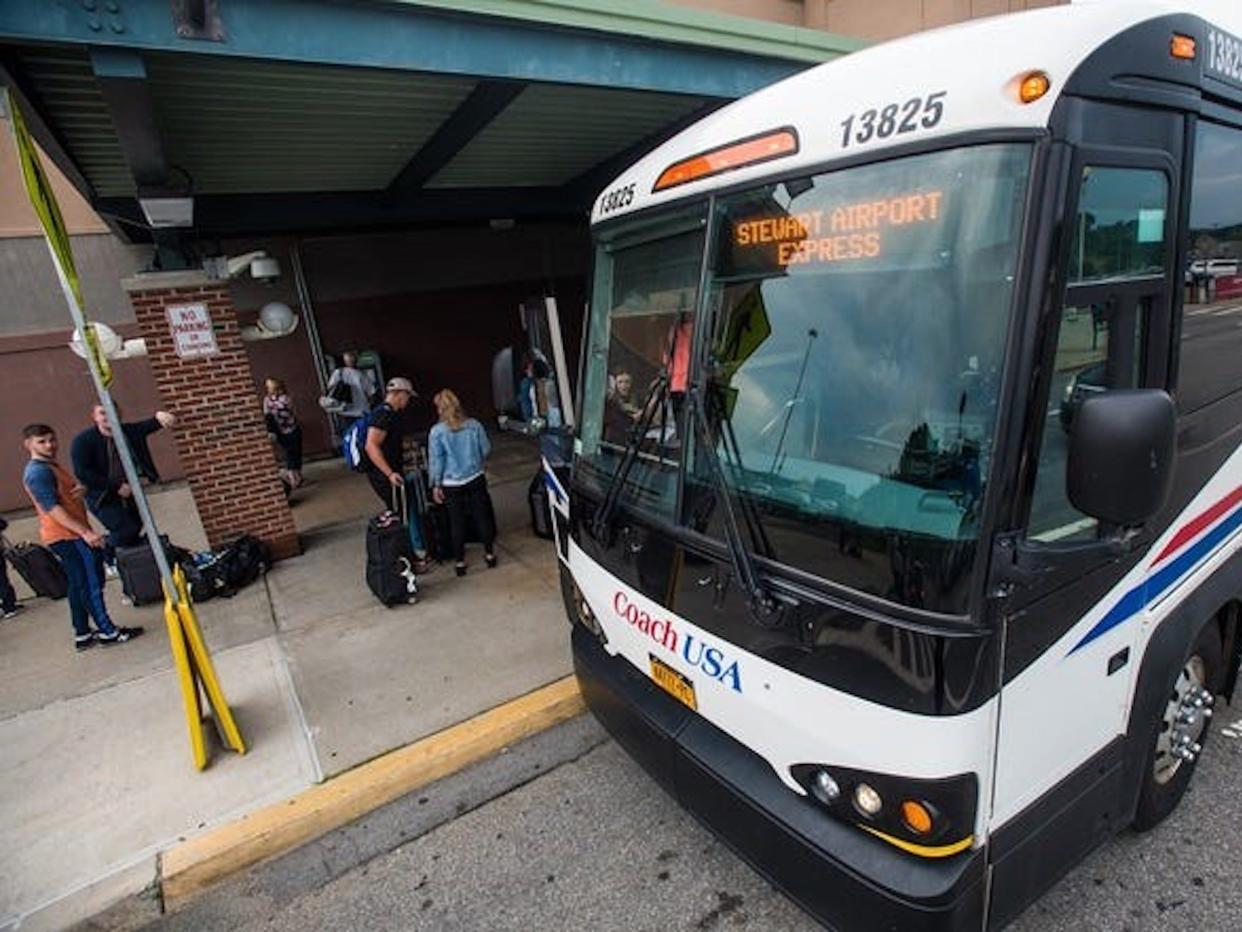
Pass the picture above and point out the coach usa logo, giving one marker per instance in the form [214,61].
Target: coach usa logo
[700,656]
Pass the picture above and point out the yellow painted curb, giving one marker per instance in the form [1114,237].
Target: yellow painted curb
[196,864]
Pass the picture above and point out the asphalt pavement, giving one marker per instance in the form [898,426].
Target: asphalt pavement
[566,832]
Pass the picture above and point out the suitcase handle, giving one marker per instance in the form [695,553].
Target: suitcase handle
[399,494]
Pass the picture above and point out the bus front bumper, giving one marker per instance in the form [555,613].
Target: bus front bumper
[842,876]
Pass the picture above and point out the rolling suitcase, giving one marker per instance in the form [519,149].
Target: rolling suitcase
[540,509]
[140,575]
[436,533]
[390,556]
[39,567]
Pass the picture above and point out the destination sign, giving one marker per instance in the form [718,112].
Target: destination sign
[850,231]
[1224,57]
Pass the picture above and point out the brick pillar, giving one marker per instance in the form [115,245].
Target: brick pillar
[220,435]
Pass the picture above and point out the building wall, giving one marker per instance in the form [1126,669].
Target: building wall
[17,218]
[43,381]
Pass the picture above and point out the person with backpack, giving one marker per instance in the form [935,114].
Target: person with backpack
[380,433]
[354,388]
[457,448]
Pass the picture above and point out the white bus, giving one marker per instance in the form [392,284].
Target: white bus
[901,542]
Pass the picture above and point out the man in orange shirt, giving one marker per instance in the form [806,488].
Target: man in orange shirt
[66,530]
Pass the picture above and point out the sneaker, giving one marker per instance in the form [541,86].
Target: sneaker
[10,612]
[83,642]
[459,569]
[424,565]
[490,560]
[119,636]
[110,571]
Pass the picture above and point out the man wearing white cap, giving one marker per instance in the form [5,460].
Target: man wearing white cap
[384,436]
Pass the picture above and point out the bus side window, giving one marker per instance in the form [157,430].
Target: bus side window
[1117,264]
[1211,340]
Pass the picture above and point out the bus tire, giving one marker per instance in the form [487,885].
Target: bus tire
[1165,775]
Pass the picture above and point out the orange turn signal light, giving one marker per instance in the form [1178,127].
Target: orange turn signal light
[917,817]
[1182,47]
[1034,86]
[773,145]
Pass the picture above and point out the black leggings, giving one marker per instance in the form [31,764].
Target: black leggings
[291,446]
[470,499]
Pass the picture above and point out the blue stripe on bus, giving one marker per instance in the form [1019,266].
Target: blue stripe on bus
[1156,585]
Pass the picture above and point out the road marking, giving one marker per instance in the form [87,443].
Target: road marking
[1233,730]
[1215,310]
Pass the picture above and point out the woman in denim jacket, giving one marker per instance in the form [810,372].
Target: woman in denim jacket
[456,448]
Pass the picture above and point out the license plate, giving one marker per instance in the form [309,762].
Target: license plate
[672,682]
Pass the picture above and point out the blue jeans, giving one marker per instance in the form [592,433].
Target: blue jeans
[84,571]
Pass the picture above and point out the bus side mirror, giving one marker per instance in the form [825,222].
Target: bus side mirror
[1121,452]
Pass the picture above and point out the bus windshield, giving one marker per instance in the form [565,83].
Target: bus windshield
[855,324]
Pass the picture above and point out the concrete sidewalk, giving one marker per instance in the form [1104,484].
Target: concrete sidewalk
[96,777]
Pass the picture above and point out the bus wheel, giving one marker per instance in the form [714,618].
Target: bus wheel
[1181,731]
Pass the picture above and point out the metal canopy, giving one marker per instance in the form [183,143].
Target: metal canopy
[300,115]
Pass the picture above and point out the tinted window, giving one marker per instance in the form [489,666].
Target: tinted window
[1119,232]
[1212,322]
[641,327]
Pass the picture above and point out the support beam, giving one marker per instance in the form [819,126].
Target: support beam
[486,102]
[639,45]
[229,215]
[122,78]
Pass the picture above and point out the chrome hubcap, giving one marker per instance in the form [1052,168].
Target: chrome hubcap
[1185,719]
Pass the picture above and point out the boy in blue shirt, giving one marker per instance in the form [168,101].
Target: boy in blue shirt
[66,530]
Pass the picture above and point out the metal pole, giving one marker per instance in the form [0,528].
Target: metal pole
[558,357]
[119,438]
[308,311]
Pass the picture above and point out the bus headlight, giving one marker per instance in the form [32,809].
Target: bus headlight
[868,801]
[586,616]
[824,788]
[928,818]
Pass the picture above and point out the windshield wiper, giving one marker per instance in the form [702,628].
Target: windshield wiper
[656,399]
[765,610]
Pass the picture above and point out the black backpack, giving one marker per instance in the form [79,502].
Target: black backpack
[244,561]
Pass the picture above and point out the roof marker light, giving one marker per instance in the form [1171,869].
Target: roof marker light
[772,145]
[1034,86]
[1182,47]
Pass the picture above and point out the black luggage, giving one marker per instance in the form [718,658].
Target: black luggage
[140,574]
[540,510]
[244,561]
[390,556]
[436,532]
[39,567]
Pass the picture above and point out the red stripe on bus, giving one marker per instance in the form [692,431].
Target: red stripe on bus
[1198,524]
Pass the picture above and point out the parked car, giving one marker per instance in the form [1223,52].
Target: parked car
[1212,268]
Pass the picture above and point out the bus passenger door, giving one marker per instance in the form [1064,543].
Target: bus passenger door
[1067,678]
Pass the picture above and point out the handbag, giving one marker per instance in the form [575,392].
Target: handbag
[341,392]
